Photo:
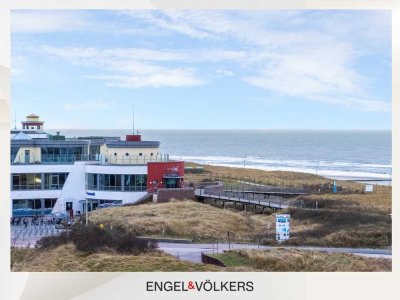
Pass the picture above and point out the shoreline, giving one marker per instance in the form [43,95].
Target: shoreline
[358,177]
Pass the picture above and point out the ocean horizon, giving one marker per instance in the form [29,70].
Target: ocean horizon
[338,154]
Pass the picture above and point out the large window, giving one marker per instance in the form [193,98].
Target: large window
[109,182]
[28,181]
[33,181]
[63,154]
[136,182]
[27,203]
[33,207]
[54,181]
[116,182]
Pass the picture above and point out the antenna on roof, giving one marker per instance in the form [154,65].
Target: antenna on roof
[133,118]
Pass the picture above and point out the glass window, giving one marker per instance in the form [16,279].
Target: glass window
[49,203]
[113,182]
[54,181]
[135,182]
[26,181]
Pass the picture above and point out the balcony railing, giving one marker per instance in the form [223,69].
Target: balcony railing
[136,159]
[117,188]
[53,158]
[71,158]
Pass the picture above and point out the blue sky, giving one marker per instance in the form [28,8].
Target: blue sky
[209,69]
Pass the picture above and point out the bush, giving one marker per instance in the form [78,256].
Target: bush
[54,241]
[92,238]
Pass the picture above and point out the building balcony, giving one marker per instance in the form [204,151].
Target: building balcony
[110,159]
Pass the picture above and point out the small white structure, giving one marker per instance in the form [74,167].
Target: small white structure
[369,188]
[282,227]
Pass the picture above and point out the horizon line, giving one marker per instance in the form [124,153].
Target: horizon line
[232,129]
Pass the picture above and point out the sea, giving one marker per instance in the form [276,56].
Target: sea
[338,154]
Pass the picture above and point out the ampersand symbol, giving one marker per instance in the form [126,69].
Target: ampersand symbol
[191,285]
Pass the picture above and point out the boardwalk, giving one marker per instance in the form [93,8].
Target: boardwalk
[235,197]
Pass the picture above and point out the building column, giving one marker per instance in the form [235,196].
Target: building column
[122,182]
[42,205]
[42,178]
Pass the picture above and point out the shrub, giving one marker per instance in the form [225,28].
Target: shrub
[54,241]
[92,238]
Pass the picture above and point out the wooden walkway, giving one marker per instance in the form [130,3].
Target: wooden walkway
[263,203]
[268,193]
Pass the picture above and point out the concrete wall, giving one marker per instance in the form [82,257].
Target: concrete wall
[132,158]
[165,195]
[73,189]
[101,169]
[34,194]
[126,197]
[41,168]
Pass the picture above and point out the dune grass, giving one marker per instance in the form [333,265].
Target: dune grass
[380,199]
[284,260]
[294,179]
[204,223]
[66,258]
[182,219]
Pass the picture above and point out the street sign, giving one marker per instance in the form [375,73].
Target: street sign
[282,227]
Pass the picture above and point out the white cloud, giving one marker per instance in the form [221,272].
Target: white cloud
[194,23]
[18,66]
[223,72]
[47,21]
[288,53]
[131,68]
[161,78]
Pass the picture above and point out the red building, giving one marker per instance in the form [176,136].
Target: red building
[165,175]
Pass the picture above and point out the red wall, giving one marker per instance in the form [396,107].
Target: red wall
[133,138]
[156,171]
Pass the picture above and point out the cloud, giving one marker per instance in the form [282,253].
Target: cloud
[194,23]
[18,66]
[48,21]
[152,77]
[313,55]
[97,104]
[130,68]
[223,72]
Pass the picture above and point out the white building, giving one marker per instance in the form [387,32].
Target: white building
[51,173]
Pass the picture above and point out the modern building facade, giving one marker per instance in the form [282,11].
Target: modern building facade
[52,173]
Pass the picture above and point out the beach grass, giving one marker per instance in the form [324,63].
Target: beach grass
[206,223]
[285,260]
[352,192]
[66,258]
[182,219]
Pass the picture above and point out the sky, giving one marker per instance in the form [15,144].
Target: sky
[202,69]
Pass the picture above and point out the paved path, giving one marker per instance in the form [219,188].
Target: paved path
[192,252]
